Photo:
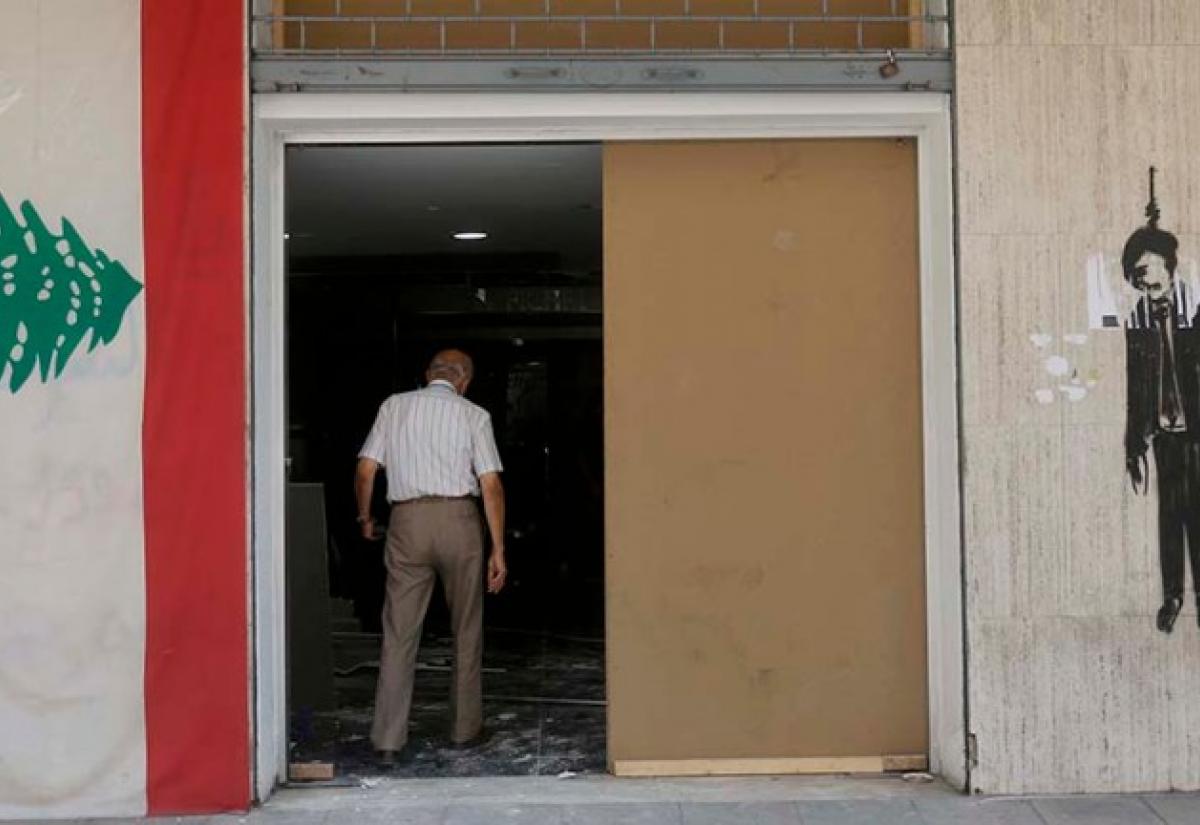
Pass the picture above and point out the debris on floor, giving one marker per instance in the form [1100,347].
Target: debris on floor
[543,706]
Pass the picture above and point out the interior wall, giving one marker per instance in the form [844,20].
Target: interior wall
[765,592]
[1061,108]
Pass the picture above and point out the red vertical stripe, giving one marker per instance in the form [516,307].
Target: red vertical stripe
[194,435]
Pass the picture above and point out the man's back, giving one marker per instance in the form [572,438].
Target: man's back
[432,442]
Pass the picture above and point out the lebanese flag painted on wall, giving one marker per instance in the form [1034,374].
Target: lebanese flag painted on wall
[124,639]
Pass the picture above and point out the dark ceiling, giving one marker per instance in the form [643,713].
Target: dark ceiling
[392,211]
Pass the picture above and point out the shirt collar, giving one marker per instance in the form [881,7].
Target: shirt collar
[440,383]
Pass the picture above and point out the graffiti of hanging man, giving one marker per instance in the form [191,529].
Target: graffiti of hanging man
[1163,406]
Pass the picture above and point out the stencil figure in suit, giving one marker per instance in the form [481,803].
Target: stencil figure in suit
[1163,408]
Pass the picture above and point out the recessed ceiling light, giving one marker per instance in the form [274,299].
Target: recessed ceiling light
[470,236]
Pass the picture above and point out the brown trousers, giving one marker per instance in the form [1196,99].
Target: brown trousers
[430,538]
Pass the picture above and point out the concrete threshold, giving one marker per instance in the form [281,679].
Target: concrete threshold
[606,790]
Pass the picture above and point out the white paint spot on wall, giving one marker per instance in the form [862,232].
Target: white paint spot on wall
[785,240]
[1057,366]
[1040,339]
[1073,392]
[10,92]
[1077,338]
[1044,396]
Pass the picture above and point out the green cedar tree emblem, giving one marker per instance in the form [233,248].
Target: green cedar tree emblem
[54,291]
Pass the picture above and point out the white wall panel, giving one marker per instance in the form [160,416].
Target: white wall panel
[72,622]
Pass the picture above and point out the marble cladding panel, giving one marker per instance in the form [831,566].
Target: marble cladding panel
[1077,22]
[1090,704]
[1057,139]
[1060,107]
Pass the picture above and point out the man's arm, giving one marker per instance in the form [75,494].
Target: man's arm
[364,486]
[493,507]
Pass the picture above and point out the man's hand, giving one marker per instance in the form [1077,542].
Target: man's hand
[497,571]
[367,525]
[493,507]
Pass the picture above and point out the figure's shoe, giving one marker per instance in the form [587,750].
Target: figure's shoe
[1168,613]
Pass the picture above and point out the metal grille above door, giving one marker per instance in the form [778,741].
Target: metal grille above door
[560,45]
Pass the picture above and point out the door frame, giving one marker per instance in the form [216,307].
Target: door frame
[282,119]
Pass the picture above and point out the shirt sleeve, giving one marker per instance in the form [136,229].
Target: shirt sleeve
[375,447]
[485,458]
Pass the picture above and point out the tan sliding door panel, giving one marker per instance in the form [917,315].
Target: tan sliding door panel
[764,459]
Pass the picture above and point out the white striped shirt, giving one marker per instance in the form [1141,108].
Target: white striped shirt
[432,442]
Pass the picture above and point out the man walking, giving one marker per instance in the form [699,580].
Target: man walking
[439,454]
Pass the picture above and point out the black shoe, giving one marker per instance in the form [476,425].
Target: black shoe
[478,740]
[390,759]
[1168,613]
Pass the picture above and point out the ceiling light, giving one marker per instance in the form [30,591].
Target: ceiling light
[470,236]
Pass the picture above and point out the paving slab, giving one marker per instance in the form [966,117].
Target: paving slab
[978,811]
[1096,810]
[1176,808]
[396,816]
[723,813]
[504,814]
[652,813]
[859,812]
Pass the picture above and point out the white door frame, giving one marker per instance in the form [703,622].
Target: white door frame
[482,118]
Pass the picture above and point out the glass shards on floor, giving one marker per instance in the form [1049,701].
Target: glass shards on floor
[543,711]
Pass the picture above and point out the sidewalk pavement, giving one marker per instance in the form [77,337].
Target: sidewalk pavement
[711,801]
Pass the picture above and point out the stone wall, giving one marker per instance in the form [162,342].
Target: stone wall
[1062,105]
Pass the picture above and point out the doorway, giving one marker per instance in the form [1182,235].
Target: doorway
[393,253]
[283,121]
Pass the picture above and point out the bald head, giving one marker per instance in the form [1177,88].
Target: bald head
[451,365]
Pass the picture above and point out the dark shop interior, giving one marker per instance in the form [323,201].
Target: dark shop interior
[395,252]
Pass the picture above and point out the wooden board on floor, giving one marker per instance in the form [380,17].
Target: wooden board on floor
[758,767]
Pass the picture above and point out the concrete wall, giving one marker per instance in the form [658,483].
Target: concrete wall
[1062,105]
